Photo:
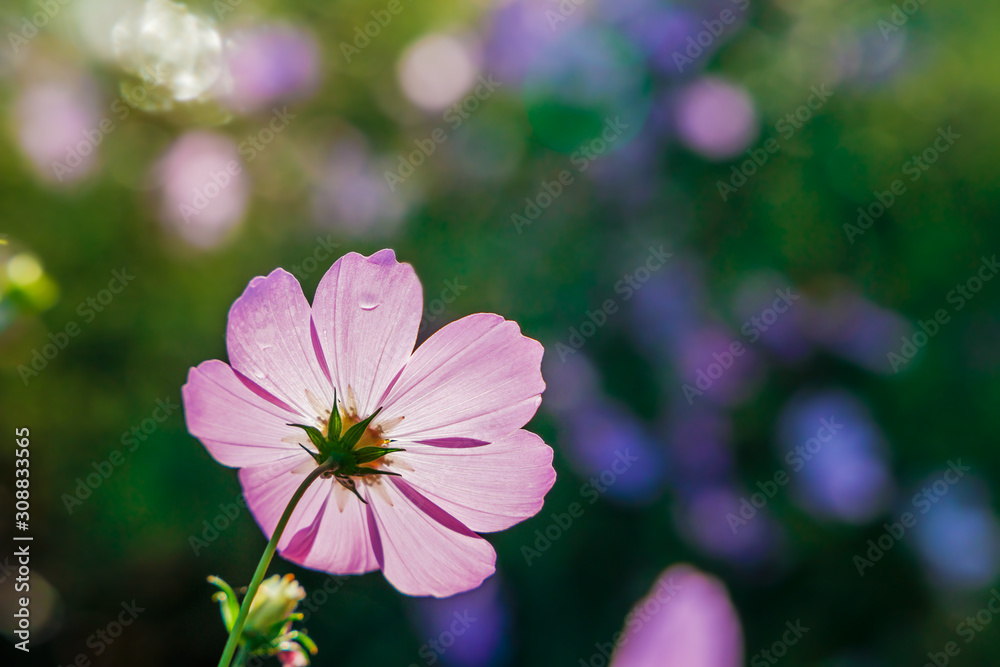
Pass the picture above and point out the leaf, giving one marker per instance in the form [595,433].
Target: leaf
[369,454]
[355,432]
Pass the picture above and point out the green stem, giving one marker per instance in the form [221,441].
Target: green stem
[241,657]
[265,561]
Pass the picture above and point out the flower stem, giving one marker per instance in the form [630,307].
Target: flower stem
[265,561]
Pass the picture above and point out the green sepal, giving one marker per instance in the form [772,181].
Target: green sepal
[301,637]
[369,454]
[335,425]
[355,432]
[348,484]
[226,597]
[318,439]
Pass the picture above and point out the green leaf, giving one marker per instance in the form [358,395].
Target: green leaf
[227,602]
[348,484]
[369,454]
[314,434]
[355,432]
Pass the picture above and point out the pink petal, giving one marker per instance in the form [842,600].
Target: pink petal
[422,549]
[475,378]
[318,535]
[488,488]
[270,340]
[239,424]
[367,311]
[335,541]
[687,620]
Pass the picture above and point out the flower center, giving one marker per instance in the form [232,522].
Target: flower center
[352,444]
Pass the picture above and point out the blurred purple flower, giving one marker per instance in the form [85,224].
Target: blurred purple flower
[517,35]
[704,519]
[203,186]
[853,327]
[835,455]
[270,63]
[686,620]
[707,364]
[57,125]
[716,118]
[783,335]
[699,443]
[350,191]
[606,443]
[958,538]
[465,630]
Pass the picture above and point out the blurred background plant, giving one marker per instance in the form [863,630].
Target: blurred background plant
[754,238]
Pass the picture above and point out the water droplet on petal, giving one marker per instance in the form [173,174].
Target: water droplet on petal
[368,303]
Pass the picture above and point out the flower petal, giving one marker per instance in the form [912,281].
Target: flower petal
[270,340]
[686,619]
[476,378]
[367,311]
[487,488]
[422,549]
[239,423]
[337,540]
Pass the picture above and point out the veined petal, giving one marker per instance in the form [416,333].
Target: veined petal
[270,340]
[367,311]
[489,487]
[475,378]
[421,548]
[338,539]
[239,423]
[268,489]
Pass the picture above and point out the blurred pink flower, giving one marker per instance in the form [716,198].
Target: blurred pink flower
[270,63]
[456,405]
[59,128]
[716,118]
[687,620]
[204,187]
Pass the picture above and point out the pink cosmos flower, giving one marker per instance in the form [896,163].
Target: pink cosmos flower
[687,620]
[455,406]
